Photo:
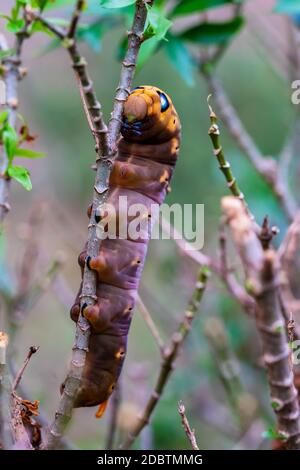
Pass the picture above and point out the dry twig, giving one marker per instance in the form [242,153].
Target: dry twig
[190,433]
[170,354]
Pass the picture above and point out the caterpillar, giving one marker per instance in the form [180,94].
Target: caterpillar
[147,153]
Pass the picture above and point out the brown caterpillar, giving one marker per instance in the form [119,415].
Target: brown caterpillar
[147,153]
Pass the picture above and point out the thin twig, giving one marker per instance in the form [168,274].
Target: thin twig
[169,356]
[242,404]
[262,270]
[150,323]
[115,403]
[267,167]
[32,350]
[11,76]
[214,134]
[6,438]
[190,433]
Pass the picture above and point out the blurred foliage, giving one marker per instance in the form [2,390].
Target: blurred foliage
[51,103]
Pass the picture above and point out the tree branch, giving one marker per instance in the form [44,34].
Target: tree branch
[169,356]
[266,167]
[190,433]
[11,76]
[262,269]
[104,164]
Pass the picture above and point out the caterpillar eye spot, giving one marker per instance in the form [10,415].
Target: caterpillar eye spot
[138,262]
[174,122]
[164,102]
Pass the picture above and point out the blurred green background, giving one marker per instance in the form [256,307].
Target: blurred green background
[50,100]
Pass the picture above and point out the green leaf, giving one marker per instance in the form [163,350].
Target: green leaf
[6,53]
[10,140]
[272,434]
[213,33]
[26,153]
[186,7]
[157,24]
[3,116]
[288,6]
[147,50]
[14,26]
[116,3]
[38,27]
[181,59]
[41,4]
[93,33]
[20,174]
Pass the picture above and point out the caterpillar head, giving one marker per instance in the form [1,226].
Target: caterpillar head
[149,114]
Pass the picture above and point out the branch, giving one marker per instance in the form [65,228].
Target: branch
[169,356]
[214,134]
[190,433]
[150,323]
[262,269]
[266,167]
[104,162]
[32,350]
[114,410]
[11,76]
[6,438]
[242,404]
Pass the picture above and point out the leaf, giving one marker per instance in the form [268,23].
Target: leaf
[157,24]
[6,53]
[3,116]
[10,140]
[93,33]
[287,6]
[20,174]
[41,4]
[147,50]
[14,26]
[38,27]
[186,7]
[272,434]
[116,3]
[213,33]
[181,59]
[27,153]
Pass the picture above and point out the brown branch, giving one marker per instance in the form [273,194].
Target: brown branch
[104,164]
[11,76]
[262,270]
[75,18]
[242,404]
[190,433]
[169,356]
[32,350]
[115,403]
[150,323]
[6,438]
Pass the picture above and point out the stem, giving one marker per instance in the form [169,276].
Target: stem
[170,354]
[104,164]
[190,433]
[262,272]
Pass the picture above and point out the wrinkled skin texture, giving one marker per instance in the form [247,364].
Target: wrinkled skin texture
[147,154]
